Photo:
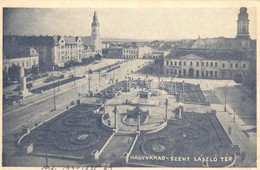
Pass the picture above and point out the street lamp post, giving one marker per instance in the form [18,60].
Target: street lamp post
[158,74]
[225,108]
[175,83]
[166,110]
[85,68]
[138,121]
[74,75]
[19,92]
[54,95]
[89,80]
[115,112]
[171,82]
[183,87]
[58,79]
[99,78]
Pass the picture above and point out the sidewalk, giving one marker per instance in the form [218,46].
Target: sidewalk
[238,137]
[36,98]
[246,141]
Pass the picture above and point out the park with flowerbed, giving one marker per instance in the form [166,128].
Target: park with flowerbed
[76,133]
[195,140]
[189,140]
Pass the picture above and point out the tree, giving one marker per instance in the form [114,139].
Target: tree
[238,78]
[14,72]
[35,70]
[98,57]
[85,61]
[159,63]
[5,78]
[91,59]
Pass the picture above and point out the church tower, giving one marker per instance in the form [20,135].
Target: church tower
[95,26]
[243,24]
[96,42]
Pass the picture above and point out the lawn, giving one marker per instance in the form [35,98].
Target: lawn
[187,142]
[192,93]
[75,133]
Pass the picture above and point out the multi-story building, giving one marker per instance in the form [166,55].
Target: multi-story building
[135,52]
[206,63]
[127,52]
[67,49]
[57,50]
[24,58]
[130,52]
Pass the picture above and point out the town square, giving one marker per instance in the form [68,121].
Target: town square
[86,100]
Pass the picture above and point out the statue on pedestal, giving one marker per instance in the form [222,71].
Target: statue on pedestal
[23,88]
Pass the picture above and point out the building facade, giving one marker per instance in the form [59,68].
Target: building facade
[130,52]
[67,49]
[24,58]
[217,64]
[57,50]
[127,52]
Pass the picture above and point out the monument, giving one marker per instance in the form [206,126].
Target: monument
[24,91]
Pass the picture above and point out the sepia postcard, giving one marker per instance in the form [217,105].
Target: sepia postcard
[129,84]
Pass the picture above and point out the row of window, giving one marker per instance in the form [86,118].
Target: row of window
[130,56]
[196,73]
[62,58]
[203,64]
[131,51]
[70,52]
[98,51]
[70,46]
[23,64]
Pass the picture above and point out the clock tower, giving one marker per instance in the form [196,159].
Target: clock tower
[243,24]
[96,42]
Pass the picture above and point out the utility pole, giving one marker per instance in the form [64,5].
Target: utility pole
[171,83]
[99,78]
[175,83]
[54,97]
[74,75]
[115,112]
[58,80]
[85,68]
[225,108]
[138,122]
[158,73]
[183,87]
[166,110]
[89,79]
[19,93]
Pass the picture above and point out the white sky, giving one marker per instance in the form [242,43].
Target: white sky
[142,23]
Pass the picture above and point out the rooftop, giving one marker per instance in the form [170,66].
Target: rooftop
[210,54]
